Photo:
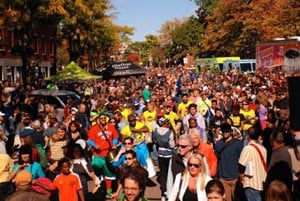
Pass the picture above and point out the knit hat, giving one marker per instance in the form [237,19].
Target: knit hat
[23,178]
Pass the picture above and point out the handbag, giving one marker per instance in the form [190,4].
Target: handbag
[111,156]
[38,189]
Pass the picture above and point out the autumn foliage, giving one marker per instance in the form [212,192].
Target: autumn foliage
[235,27]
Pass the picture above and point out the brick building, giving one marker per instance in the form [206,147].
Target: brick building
[41,59]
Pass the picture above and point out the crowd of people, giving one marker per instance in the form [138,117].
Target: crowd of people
[212,136]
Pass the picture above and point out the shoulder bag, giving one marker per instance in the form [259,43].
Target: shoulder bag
[261,157]
[110,156]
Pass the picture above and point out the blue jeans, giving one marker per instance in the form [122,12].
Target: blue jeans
[252,194]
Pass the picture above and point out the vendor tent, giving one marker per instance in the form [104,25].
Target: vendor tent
[122,69]
[73,72]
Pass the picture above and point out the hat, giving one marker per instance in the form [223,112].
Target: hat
[75,109]
[136,102]
[225,127]
[2,114]
[27,132]
[82,143]
[160,114]
[93,115]
[23,178]
[162,121]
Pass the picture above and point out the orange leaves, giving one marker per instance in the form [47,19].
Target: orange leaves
[235,25]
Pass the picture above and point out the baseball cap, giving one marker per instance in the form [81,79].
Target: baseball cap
[162,121]
[136,102]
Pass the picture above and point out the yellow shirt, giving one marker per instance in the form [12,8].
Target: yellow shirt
[149,116]
[126,132]
[183,109]
[5,167]
[125,113]
[172,116]
[249,118]
[203,106]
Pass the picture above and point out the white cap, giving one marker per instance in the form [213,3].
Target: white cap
[82,143]
[75,109]
[2,114]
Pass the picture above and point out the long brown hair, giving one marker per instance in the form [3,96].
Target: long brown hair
[278,191]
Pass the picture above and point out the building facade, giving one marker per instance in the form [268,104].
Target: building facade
[40,53]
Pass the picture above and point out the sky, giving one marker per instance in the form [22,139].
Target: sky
[147,16]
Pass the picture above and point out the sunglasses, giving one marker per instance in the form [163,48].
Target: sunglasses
[182,146]
[128,158]
[130,120]
[126,143]
[193,164]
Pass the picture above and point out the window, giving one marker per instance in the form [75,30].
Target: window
[43,45]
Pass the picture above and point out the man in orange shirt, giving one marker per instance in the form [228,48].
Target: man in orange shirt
[205,150]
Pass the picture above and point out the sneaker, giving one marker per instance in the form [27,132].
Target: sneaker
[163,198]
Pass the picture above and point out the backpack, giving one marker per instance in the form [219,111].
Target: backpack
[162,142]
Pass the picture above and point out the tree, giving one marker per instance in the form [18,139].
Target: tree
[185,39]
[235,27]
[24,17]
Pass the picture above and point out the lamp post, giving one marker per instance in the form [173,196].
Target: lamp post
[292,71]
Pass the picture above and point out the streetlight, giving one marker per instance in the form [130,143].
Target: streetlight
[292,71]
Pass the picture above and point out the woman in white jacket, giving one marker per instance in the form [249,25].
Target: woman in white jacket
[190,185]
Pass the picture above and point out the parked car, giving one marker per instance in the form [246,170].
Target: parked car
[57,98]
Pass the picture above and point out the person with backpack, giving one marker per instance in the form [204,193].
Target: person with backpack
[163,137]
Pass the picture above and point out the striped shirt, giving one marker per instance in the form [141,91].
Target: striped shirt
[249,153]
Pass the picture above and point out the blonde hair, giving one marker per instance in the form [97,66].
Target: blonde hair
[202,167]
